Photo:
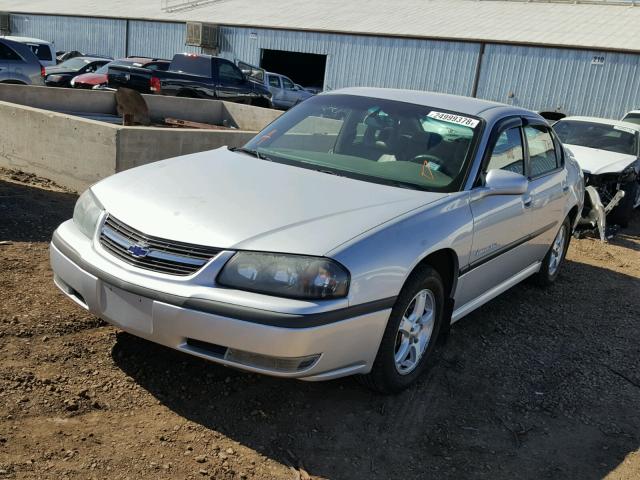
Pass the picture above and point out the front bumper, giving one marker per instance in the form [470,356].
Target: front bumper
[326,346]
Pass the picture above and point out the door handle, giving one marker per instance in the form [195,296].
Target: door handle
[528,201]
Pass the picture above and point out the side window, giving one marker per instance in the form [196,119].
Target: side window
[287,84]
[542,151]
[230,74]
[274,81]
[7,53]
[508,153]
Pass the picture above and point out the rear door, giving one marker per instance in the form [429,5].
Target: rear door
[10,63]
[500,222]
[548,187]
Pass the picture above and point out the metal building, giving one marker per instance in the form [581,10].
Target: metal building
[578,57]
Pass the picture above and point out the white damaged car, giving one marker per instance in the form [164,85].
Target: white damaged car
[608,152]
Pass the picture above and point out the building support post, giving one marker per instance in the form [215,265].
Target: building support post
[476,78]
[126,38]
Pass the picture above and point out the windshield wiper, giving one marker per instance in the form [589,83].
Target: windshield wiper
[248,151]
[329,172]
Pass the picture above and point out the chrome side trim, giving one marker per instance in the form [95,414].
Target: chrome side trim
[470,306]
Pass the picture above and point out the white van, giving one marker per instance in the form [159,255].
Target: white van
[45,51]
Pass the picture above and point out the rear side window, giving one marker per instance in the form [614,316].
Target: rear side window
[230,74]
[274,81]
[192,64]
[507,153]
[162,66]
[7,53]
[43,52]
[542,151]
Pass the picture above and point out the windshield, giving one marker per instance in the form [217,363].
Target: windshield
[613,138]
[372,139]
[74,64]
[632,118]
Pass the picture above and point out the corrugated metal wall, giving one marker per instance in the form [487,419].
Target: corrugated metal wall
[90,35]
[567,80]
[533,77]
[365,61]
[157,39]
[104,36]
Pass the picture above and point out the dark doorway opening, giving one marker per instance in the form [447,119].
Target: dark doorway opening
[306,69]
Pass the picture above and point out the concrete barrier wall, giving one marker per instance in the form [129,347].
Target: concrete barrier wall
[141,145]
[71,151]
[60,99]
[75,152]
[243,117]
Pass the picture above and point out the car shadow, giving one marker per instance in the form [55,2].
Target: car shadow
[31,214]
[535,384]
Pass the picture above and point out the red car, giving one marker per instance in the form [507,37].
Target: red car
[99,77]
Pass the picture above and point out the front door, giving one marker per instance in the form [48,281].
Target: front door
[500,222]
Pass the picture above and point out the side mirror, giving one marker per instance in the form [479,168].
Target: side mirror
[502,182]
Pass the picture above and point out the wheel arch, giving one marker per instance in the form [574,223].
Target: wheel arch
[446,263]
[13,82]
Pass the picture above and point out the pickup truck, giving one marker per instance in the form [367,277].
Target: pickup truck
[285,93]
[134,72]
[202,76]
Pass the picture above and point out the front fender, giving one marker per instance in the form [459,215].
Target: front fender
[381,260]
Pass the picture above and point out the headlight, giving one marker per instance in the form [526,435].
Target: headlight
[293,276]
[73,81]
[86,213]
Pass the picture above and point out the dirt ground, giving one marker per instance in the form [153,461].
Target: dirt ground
[537,384]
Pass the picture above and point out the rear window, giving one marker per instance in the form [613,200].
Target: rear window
[192,64]
[43,52]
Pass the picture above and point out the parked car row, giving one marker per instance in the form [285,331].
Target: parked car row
[186,75]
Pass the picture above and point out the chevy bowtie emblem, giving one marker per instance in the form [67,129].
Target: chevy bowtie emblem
[139,250]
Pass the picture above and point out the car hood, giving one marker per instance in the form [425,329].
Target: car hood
[232,200]
[59,71]
[598,161]
[92,78]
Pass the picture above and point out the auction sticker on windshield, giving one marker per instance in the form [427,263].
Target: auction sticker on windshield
[457,119]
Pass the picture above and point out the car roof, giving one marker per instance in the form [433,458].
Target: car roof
[604,121]
[142,60]
[93,59]
[456,103]
[631,111]
[27,40]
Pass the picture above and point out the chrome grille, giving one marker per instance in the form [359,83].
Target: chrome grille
[152,253]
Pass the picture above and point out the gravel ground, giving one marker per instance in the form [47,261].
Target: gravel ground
[536,384]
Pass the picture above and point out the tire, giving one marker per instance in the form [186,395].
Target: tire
[387,376]
[554,258]
[621,215]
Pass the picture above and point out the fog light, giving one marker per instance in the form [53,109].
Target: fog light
[279,364]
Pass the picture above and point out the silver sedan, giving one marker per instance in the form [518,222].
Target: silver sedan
[345,238]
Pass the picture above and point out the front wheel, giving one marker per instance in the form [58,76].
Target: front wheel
[410,338]
[555,256]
